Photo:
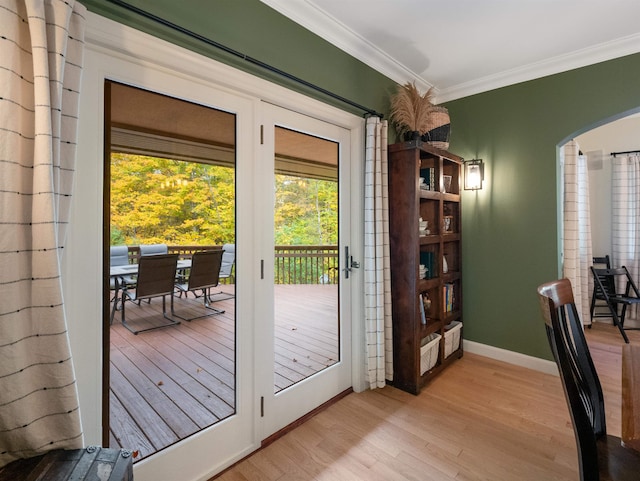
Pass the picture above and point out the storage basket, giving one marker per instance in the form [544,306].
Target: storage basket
[438,128]
[452,337]
[429,352]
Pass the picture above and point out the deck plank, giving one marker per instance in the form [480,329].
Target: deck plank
[186,412]
[125,433]
[151,390]
[185,365]
[154,427]
[169,383]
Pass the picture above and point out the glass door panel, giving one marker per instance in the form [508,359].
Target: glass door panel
[172,178]
[304,337]
[306,276]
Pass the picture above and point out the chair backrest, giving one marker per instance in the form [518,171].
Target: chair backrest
[118,255]
[603,282]
[578,374]
[153,249]
[615,282]
[205,269]
[156,275]
[602,261]
[228,259]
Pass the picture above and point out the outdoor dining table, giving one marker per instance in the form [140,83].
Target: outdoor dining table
[131,270]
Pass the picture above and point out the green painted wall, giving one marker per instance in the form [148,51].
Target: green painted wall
[256,30]
[510,227]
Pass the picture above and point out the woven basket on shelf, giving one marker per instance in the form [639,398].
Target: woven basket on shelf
[439,128]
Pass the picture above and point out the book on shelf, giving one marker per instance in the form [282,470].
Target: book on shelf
[429,176]
[426,304]
[448,297]
[423,315]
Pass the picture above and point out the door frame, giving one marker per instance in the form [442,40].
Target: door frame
[223,441]
[123,54]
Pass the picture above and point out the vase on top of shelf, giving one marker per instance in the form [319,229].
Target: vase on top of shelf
[410,111]
[411,135]
[445,265]
[438,128]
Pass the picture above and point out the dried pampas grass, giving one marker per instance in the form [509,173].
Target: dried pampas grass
[410,110]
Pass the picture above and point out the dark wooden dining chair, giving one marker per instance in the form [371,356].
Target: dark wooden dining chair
[204,274]
[156,278]
[597,297]
[601,457]
[617,300]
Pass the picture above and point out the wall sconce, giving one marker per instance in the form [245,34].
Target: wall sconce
[473,174]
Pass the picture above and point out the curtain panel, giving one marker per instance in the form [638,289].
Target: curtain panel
[42,47]
[625,217]
[576,234]
[377,268]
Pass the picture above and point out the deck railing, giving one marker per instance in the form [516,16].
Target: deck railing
[306,265]
[292,265]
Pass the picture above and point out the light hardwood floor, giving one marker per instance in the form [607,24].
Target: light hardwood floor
[481,419]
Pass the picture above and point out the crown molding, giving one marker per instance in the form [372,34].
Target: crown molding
[562,63]
[322,24]
[319,22]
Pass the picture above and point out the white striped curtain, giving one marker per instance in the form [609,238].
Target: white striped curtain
[576,234]
[625,220]
[42,48]
[377,271]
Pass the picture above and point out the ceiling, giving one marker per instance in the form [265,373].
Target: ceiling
[464,47]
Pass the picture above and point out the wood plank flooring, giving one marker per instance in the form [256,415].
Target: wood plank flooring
[480,420]
[306,331]
[169,383]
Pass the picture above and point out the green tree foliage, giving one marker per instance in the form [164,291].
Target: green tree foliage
[174,202]
[306,211]
[156,200]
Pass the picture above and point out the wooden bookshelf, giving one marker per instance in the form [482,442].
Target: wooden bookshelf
[417,324]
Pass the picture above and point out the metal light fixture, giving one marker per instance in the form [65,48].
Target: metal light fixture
[473,174]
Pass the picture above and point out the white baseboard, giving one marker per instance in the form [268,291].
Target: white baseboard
[628,323]
[516,358]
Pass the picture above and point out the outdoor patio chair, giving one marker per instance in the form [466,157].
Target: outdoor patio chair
[600,456]
[228,262]
[156,278]
[153,249]
[227,271]
[204,274]
[118,256]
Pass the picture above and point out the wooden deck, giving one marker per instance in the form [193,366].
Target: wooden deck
[169,383]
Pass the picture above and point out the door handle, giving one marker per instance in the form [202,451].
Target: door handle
[349,263]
